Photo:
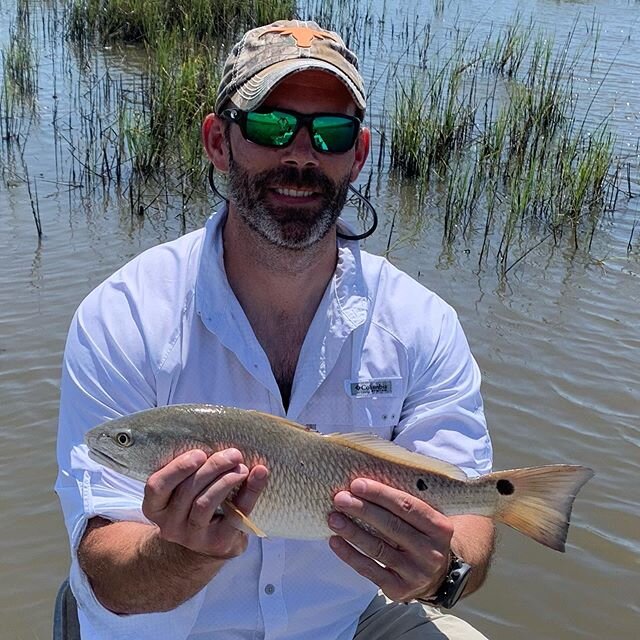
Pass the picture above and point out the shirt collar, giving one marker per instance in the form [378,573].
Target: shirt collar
[347,300]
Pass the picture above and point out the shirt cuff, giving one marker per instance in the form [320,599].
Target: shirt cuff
[98,623]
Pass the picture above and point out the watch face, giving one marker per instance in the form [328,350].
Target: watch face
[453,586]
[455,583]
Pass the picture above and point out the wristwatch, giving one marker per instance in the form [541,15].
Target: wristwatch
[452,586]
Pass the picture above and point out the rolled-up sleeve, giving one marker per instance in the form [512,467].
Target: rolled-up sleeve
[108,371]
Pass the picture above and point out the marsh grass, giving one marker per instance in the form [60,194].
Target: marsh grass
[434,116]
[8,117]
[20,61]
[146,22]
[514,162]
[505,53]
[160,118]
[18,104]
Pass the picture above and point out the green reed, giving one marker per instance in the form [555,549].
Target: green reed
[20,60]
[409,131]
[164,115]
[18,104]
[506,53]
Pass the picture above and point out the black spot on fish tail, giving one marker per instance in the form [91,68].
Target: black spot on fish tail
[421,484]
[505,487]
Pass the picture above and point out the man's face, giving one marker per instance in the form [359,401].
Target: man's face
[293,196]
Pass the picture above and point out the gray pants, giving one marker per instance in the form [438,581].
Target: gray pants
[387,620]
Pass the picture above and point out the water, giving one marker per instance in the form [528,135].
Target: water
[558,343]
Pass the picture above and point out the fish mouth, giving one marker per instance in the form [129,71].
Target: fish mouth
[105,459]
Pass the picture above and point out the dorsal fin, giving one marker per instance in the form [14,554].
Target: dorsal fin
[381,448]
[283,421]
[395,453]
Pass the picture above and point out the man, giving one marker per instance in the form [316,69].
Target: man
[270,308]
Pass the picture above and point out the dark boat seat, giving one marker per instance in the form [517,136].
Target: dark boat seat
[65,615]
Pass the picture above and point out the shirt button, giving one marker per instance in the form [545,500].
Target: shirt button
[269,589]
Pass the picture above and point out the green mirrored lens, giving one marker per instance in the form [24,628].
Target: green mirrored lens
[273,129]
[333,133]
[329,133]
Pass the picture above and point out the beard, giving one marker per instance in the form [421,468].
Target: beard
[287,227]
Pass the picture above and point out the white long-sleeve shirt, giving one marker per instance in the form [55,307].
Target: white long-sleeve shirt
[382,355]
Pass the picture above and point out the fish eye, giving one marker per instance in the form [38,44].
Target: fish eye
[123,438]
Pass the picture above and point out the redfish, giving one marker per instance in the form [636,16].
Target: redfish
[307,469]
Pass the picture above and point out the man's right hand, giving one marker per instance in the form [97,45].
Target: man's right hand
[141,568]
[183,496]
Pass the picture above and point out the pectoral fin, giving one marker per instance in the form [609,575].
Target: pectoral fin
[239,520]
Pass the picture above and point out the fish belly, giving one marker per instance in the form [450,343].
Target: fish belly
[297,504]
[297,524]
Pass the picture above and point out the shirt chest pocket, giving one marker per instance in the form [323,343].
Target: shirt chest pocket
[379,415]
[370,406]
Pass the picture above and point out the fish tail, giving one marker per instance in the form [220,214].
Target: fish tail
[537,501]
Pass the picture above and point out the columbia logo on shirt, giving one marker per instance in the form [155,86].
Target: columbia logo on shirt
[370,388]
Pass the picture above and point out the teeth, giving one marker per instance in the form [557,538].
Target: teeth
[293,193]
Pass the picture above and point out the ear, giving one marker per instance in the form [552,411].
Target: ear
[363,144]
[214,142]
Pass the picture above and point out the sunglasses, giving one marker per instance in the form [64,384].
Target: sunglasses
[329,132]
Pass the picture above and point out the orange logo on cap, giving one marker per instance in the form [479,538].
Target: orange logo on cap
[302,35]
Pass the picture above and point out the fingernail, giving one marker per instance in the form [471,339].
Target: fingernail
[260,473]
[197,457]
[343,499]
[359,486]
[233,456]
[336,521]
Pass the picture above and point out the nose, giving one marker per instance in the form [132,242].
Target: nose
[300,152]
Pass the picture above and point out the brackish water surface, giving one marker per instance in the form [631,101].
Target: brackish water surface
[558,343]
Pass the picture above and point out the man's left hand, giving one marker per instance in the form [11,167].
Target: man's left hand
[408,555]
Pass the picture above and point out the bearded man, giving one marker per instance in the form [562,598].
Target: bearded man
[272,306]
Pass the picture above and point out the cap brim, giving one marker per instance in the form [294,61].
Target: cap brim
[252,93]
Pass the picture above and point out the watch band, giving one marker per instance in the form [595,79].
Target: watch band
[452,586]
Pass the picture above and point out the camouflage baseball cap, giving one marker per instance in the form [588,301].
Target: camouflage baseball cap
[267,54]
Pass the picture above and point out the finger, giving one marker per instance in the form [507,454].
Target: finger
[215,466]
[204,506]
[371,545]
[384,523]
[171,491]
[252,488]
[411,510]
[365,566]
[245,500]
[418,555]
[161,484]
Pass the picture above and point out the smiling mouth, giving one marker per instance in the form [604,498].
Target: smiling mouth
[294,193]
